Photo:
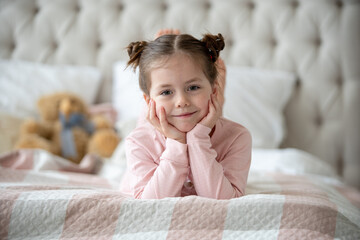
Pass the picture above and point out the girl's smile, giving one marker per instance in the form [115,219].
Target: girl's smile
[185,115]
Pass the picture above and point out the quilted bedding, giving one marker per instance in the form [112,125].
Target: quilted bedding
[45,197]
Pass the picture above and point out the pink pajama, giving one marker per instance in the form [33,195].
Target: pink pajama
[213,167]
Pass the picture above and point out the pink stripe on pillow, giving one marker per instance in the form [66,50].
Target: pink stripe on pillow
[7,203]
[80,179]
[21,159]
[92,216]
[198,218]
[87,165]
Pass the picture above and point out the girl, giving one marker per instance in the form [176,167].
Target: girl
[185,147]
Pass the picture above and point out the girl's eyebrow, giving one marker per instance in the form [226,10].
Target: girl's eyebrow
[166,85]
[193,80]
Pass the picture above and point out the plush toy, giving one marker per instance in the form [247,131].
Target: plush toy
[67,129]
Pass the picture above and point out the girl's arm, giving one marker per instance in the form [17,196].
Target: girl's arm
[151,180]
[224,179]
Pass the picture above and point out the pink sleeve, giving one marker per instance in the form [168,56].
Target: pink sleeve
[224,179]
[155,181]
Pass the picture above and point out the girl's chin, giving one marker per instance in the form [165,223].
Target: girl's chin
[185,127]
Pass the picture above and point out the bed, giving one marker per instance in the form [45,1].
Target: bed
[292,78]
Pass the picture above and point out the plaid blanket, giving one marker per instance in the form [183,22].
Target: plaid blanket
[40,200]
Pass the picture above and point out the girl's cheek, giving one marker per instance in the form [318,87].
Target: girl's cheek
[158,108]
[166,108]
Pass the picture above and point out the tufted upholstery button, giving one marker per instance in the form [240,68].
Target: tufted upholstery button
[36,10]
[251,5]
[98,45]
[318,121]
[121,7]
[339,82]
[55,45]
[77,8]
[207,5]
[230,43]
[295,4]
[340,165]
[339,3]
[318,42]
[273,42]
[164,6]
[12,46]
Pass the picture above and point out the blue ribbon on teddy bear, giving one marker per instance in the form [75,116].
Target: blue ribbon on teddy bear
[68,148]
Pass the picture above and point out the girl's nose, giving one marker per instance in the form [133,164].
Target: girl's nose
[182,101]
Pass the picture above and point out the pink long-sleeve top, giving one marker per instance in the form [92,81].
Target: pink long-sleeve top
[214,167]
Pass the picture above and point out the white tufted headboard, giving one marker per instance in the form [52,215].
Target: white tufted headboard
[316,39]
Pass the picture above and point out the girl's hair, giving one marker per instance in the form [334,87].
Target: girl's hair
[146,55]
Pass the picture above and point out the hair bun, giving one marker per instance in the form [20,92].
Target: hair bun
[214,43]
[134,50]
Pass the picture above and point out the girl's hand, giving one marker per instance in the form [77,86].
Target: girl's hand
[162,125]
[220,80]
[215,110]
[167,31]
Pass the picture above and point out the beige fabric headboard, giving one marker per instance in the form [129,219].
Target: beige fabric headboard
[316,39]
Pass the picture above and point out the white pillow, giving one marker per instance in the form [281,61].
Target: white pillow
[23,83]
[127,97]
[256,99]
[289,161]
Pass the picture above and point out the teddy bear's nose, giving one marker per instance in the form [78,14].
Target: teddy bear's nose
[65,107]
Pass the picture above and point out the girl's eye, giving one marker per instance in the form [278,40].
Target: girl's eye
[166,92]
[193,88]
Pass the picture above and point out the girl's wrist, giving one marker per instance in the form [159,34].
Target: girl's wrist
[200,131]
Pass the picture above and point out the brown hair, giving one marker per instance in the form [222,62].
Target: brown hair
[146,54]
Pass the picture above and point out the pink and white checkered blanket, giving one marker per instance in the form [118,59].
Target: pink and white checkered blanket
[40,200]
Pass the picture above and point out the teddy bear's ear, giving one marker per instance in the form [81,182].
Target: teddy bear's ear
[48,106]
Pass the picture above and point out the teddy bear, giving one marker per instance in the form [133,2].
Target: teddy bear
[66,128]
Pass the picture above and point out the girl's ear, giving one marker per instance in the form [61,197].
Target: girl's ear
[146,98]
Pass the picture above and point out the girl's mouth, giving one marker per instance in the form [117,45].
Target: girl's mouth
[184,115]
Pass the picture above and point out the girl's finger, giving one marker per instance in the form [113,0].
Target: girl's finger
[211,104]
[215,96]
[153,117]
[151,111]
[148,112]
[218,95]
[215,103]
[163,120]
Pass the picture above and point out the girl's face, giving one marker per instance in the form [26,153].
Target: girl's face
[181,87]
